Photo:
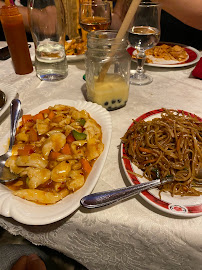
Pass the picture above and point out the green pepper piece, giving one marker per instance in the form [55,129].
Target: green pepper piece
[81,122]
[78,136]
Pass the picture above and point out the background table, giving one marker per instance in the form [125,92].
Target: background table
[132,234]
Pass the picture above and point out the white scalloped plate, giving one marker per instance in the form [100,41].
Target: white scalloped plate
[33,214]
[10,93]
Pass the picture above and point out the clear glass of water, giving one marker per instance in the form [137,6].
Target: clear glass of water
[47,23]
[143,34]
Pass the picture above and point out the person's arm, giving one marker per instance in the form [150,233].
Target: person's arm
[187,11]
[119,13]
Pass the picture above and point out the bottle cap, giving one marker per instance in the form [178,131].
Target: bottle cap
[11,10]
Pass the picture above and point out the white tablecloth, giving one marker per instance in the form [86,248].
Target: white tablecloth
[132,234]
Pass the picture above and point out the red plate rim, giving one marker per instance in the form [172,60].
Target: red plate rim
[192,210]
[192,54]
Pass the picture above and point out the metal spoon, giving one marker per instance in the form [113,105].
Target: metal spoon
[108,197]
[3,99]
[5,174]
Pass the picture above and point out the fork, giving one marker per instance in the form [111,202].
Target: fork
[5,174]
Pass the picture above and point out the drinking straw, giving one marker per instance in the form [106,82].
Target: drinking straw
[121,33]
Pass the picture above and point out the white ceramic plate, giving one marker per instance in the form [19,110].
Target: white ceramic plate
[75,57]
[193,57]
[188,206]
[10,92]
[31,213]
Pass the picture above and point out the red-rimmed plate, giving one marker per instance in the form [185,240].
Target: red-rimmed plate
[188,206]
[193,57]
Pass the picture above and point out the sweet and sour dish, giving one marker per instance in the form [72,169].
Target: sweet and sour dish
[165,146]
[54,153]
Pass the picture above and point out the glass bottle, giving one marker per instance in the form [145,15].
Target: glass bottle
[15,35]
[106,53]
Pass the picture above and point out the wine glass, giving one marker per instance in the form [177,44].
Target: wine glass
[144,33]
[95,15]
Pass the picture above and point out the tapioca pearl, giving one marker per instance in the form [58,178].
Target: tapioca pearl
[113,101]
[106,103]
[119,100]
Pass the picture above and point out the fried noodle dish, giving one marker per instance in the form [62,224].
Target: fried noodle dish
[53,154]
[75,47]
[165,146]
[167,52]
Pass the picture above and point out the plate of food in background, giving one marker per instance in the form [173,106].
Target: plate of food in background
[59,152]
[75,49]
[162,143]
[169,55]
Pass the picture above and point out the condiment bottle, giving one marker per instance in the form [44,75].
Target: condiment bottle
[112,91]
[15,35]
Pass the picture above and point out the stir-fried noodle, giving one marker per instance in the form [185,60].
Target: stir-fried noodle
[169,145]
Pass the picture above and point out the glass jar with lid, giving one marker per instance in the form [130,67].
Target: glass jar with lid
[107,69]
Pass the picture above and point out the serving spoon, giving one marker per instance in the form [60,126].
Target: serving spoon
[5,174]
[3,99]
[100,199]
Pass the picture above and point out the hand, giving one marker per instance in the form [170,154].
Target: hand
[31,262]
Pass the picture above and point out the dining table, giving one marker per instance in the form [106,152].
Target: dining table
[131,234]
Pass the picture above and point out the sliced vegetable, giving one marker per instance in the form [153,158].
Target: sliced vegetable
[45,111]
[66,150]
[79,136]
[38,116]
[54,155]
[86,165]
[27,149]
[142,149]
[81,122]
[51,115]
[27,117]
[70,138]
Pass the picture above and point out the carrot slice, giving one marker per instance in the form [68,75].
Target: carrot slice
[38,116]
[70,138]
[150,161]
[66,150]
[51,115]
[142,149]
[26,117]
[86,165]
[45,111]
[28,149]
[54,155]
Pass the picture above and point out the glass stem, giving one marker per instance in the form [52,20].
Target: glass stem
[141,57]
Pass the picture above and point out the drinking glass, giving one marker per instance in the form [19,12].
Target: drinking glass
[47,24]
[144,33]
[95,15]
